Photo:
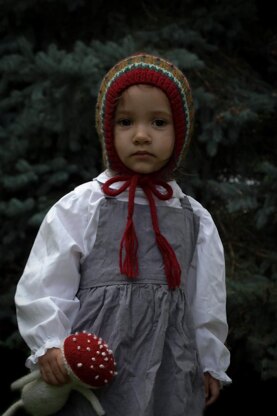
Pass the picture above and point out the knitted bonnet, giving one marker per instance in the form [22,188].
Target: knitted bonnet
[158,72]
[151,70]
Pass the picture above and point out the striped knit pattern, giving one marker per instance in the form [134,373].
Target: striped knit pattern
[151,70]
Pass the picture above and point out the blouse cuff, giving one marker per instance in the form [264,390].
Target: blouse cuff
[219,375]
[33,358]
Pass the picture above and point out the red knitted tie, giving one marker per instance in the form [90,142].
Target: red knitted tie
[129,242]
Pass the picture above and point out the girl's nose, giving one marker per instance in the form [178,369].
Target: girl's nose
[141,135]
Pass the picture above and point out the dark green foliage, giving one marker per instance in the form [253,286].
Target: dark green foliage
[53,55]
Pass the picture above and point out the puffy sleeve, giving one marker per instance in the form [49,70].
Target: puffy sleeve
[207,296]
[45,298]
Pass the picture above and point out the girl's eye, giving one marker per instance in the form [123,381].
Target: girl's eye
[159,123]
[124,122]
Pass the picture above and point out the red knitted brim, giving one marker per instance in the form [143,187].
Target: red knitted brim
[150,77]
[89,359]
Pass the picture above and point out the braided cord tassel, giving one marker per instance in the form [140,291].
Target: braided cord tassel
[129,242]
[171,264]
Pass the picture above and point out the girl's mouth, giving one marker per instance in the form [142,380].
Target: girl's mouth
[143,153]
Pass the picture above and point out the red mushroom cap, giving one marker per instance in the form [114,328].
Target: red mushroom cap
[89,359]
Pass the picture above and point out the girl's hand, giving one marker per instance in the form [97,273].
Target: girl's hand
[212,388]
[52,367]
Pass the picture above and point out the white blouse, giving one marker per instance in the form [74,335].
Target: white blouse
[45,298]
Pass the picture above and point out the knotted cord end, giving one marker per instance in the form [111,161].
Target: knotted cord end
[171,264]
[129,245]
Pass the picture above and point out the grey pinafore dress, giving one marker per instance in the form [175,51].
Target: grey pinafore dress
[148,327]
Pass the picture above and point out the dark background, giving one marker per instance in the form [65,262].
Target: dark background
[53,54]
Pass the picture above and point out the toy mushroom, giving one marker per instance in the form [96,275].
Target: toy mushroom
[90,365]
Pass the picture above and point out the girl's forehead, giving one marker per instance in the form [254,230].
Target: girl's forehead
[141,92]
[141,87]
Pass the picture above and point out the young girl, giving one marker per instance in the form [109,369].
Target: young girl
[132,259]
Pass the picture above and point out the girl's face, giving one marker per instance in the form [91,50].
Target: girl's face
[144,131]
